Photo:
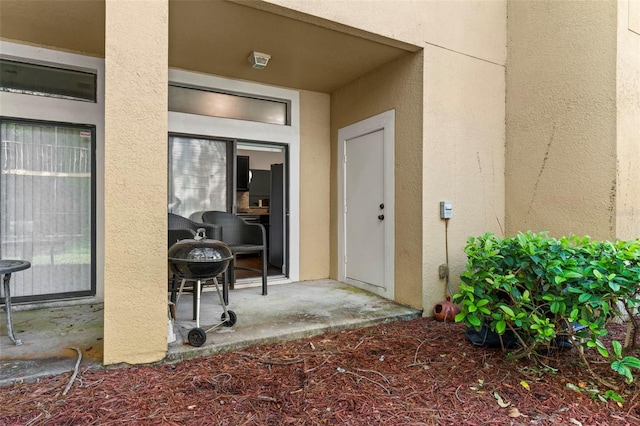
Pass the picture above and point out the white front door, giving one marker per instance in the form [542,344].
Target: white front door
[366,225]
[364,209]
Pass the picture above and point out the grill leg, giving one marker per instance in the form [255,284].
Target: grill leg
[225,288]
[221,296]
[197,297]
[232,272]
[195,302]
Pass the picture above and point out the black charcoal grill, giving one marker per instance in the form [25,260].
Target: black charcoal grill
[198,261]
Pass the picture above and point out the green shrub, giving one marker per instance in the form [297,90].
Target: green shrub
[540,288]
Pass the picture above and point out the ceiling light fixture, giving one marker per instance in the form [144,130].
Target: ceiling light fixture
[259,60]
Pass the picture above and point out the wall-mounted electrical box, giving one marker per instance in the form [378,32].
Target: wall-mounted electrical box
[446,209]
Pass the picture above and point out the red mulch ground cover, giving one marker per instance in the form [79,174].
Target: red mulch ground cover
[420,372]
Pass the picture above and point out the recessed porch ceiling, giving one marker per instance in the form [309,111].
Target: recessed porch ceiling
[216,37]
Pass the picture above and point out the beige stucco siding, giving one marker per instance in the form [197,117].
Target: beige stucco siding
[463,160]
[462,152]
[561,118]
[38,24]
[463,123]
[315,163]
[628,120]
[394,86]
[472,27]
[136,73]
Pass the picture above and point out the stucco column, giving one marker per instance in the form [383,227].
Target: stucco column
[135,210]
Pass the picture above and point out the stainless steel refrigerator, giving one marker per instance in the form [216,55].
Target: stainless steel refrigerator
[278,219]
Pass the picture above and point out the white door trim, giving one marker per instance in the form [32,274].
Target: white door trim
[248,130]
[385,122]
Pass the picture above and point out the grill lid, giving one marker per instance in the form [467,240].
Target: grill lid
[197,259]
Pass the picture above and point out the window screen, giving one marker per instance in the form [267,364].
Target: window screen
[47,198]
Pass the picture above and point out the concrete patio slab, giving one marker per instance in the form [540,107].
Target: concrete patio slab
[290,311]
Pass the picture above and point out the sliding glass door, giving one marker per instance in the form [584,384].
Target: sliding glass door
[248,178]
[47,207]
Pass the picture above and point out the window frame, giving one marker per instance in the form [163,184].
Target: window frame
[93,218]
[47,67]
[42,108]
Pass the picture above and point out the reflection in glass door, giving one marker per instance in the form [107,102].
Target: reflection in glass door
[198,175]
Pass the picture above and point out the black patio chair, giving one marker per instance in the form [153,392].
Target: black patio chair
[177,222]
[241,237]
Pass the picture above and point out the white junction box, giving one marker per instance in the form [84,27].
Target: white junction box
[446,209]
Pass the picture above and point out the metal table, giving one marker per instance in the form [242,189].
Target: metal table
[7,267]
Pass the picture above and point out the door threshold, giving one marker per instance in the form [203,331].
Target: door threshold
[256,282]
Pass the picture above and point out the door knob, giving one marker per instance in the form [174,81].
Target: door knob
[381,206]
[381,217]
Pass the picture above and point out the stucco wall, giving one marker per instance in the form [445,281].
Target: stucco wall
[136,75]
[463,160]
[462,146]
[19,23]
[561,117]
[628,120]
[471,27]
[394,86]
[315,163]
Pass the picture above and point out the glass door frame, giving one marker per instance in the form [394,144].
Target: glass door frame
[242,130]
[286,197]
[93,212]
